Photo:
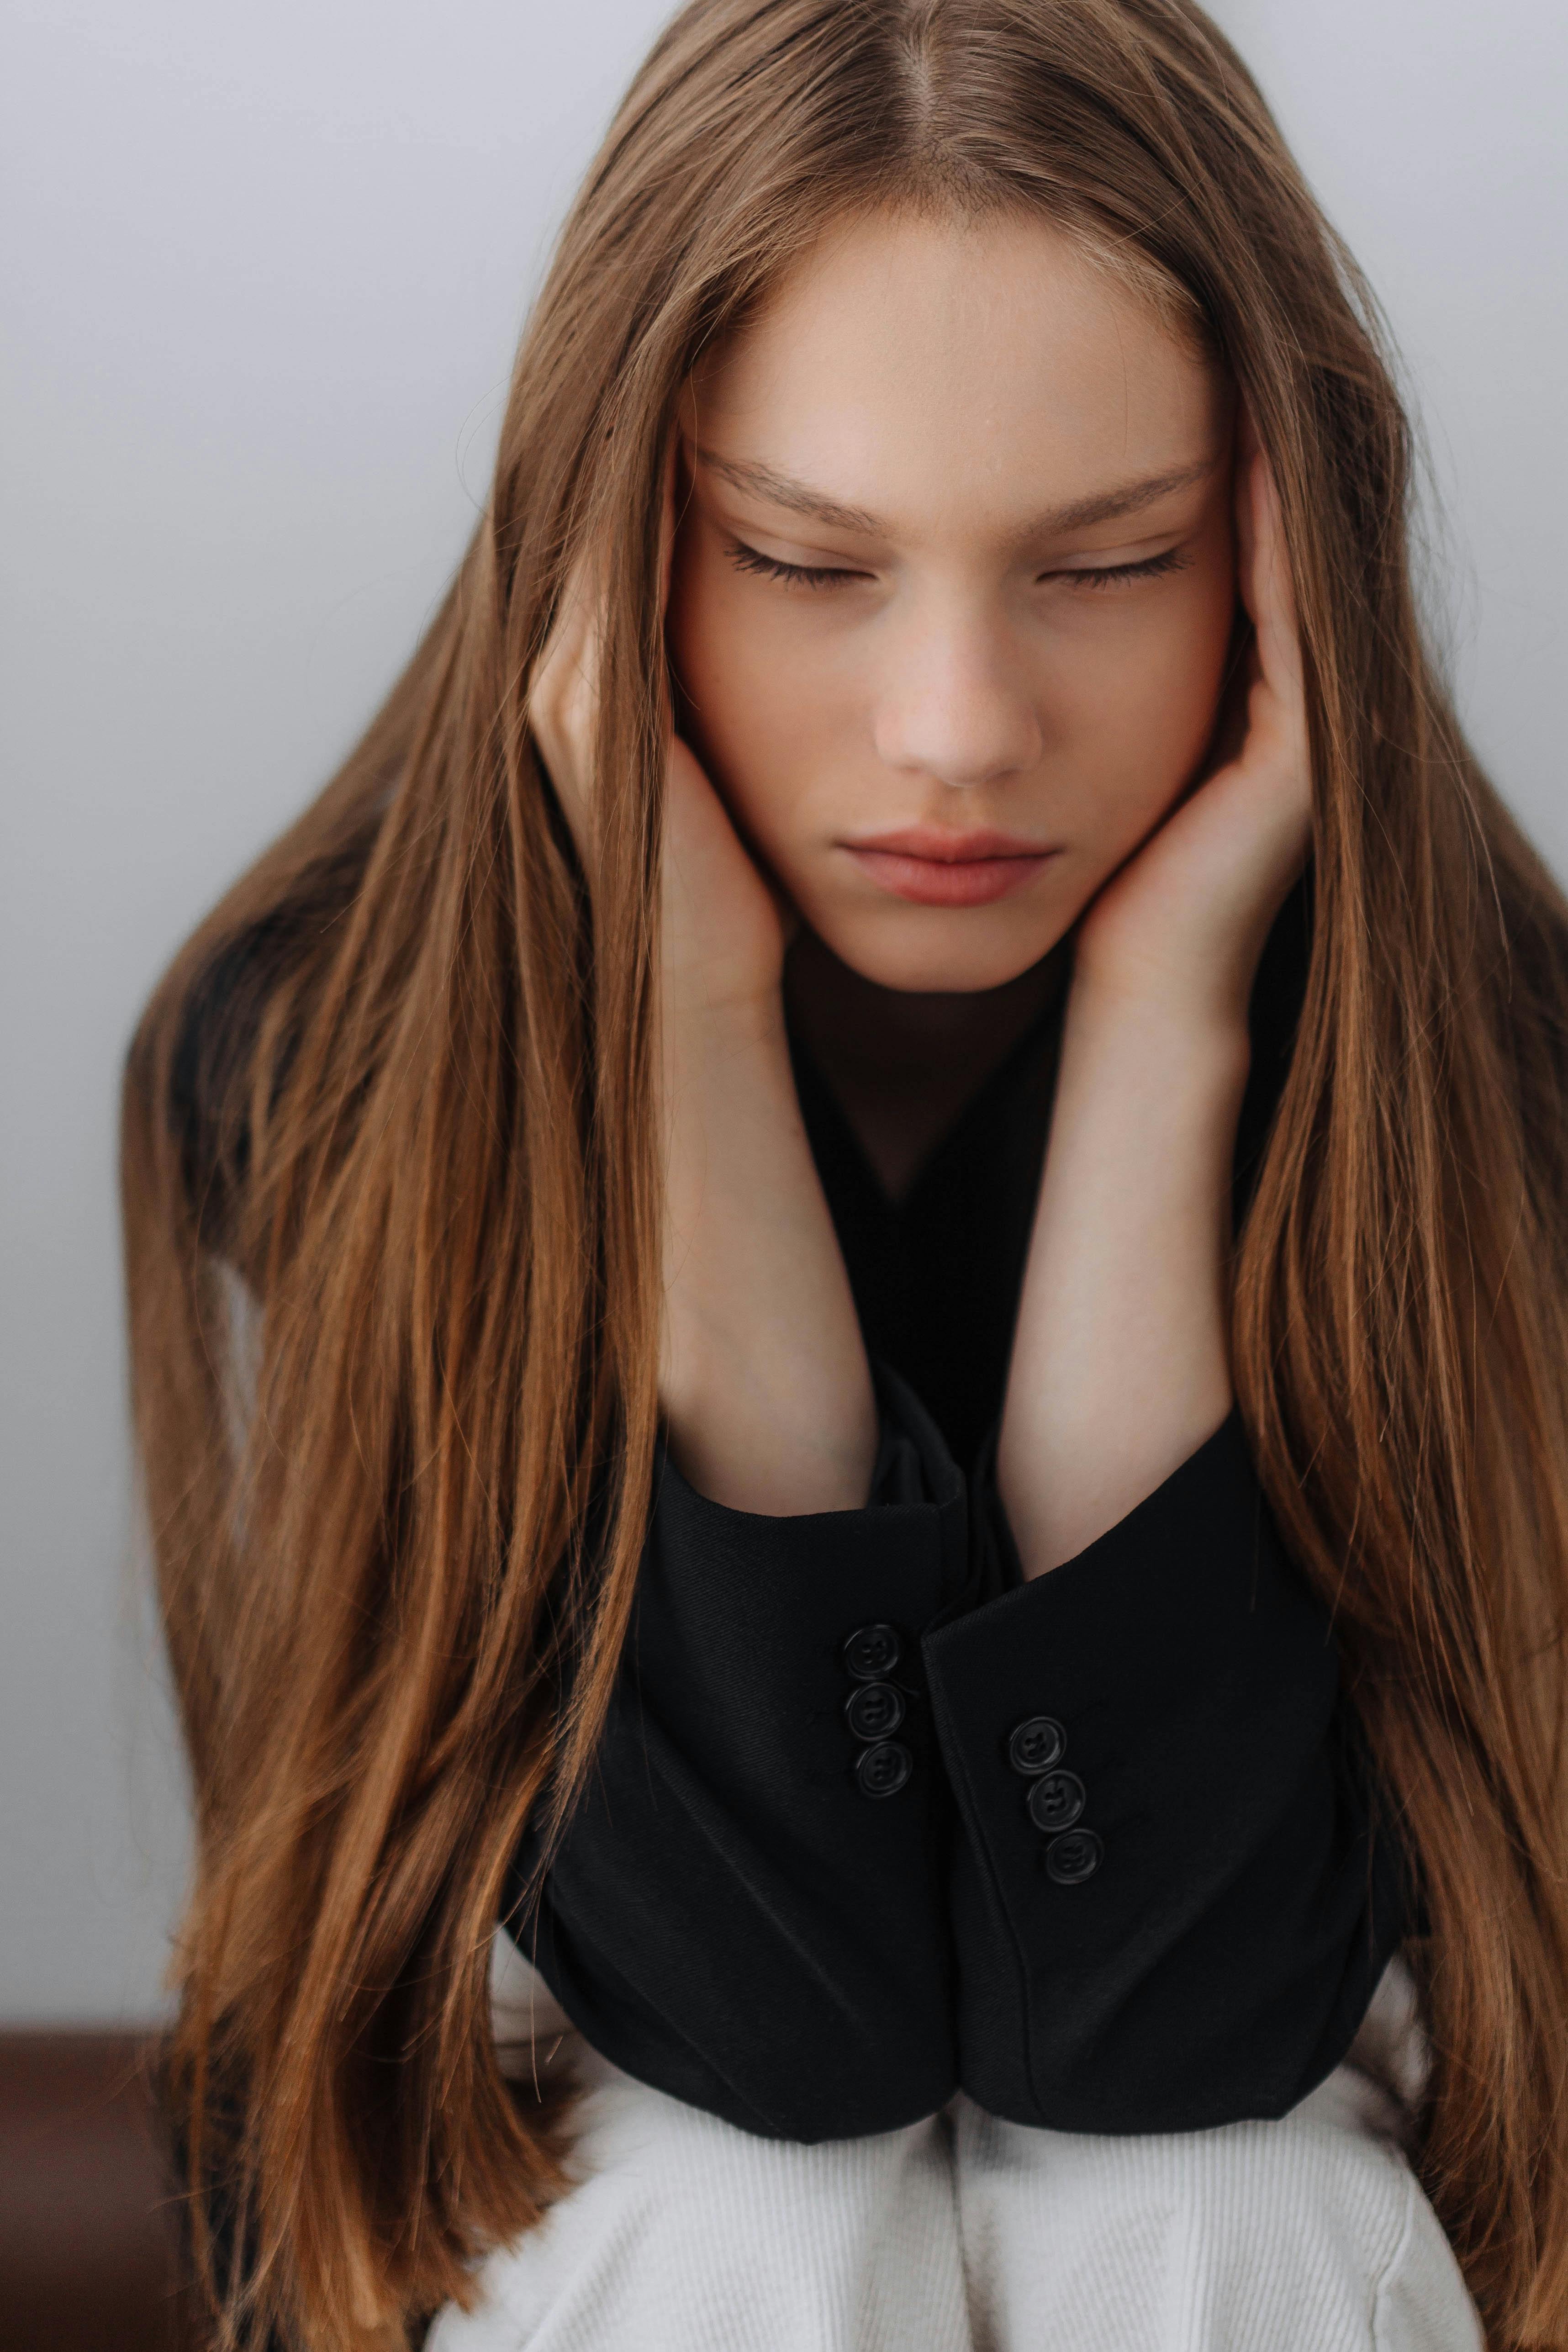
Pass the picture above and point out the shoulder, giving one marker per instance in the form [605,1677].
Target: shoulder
[217,1022]
[236,1015]
[234,1029]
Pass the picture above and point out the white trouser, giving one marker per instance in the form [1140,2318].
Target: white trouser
[966,2234]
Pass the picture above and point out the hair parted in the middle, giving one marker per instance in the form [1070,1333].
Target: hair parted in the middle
[397,1091]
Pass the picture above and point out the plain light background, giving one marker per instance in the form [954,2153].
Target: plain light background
[264,269]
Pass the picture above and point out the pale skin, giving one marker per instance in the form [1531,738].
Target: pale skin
[1024,505]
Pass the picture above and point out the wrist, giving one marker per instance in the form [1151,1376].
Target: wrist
[763,1380]
[703,1030]
[1197,1038]
[735,991]
[1120,1360]
[1200,976]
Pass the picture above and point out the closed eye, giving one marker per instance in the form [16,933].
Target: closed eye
[797,575]
[1113,575]
[827,575]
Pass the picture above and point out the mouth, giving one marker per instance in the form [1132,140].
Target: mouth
[936,867]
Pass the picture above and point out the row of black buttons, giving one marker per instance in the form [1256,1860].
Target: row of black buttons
[875,1710]
[1056,1799]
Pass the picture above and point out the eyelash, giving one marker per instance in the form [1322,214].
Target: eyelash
[813,576]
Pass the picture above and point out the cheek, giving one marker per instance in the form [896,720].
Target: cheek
[1143,703]
[760,711]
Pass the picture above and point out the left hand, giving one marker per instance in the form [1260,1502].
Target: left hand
[1182,922]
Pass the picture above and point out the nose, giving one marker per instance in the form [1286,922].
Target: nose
[954,704]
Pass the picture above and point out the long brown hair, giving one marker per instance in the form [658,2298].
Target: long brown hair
[396,1094]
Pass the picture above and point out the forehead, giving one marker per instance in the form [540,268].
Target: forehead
[921,368]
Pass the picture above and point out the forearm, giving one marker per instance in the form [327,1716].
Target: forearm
[764,1380]
[1120,1365]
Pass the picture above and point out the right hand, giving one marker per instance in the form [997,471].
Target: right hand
[763,1380]
[724,928]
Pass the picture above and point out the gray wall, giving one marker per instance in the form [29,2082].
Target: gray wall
[265,268]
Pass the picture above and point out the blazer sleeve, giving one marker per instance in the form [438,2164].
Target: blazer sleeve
[748,1907]
[1171,1900]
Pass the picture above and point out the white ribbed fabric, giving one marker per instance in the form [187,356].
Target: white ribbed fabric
[966,2234]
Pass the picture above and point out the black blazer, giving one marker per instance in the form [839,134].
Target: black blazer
[875,1818]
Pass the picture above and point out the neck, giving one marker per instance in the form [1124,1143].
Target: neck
[902,1066]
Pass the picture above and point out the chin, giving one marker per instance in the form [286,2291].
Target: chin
[942,955]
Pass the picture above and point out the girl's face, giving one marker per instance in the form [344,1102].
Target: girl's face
[953,587]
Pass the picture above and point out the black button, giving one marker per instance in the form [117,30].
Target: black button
[883,1770]
[1036,1745]
[1056,1801]
[1073,1857]
[872,1651]
[874,1710]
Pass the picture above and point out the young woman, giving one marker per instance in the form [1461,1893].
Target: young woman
[849,1296]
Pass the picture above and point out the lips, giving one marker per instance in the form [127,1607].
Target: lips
[935,867]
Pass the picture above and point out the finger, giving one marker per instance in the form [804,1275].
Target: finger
[667,517]
[563,698]
[570,658]
[1246,452]
[1266,585]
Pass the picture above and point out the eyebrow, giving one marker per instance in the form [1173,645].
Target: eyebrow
[1076,514]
